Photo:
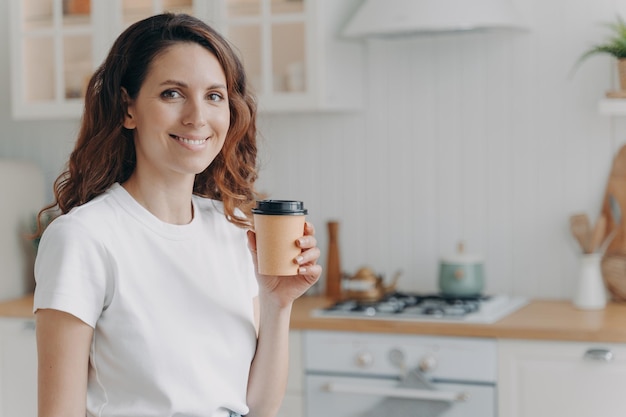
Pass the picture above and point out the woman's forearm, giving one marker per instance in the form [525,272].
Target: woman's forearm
[268,373]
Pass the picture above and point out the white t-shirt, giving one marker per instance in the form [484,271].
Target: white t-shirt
[171,305]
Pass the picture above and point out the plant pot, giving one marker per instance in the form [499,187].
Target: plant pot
[620,91]
[621,73]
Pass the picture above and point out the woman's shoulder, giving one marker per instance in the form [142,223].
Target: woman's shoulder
[98,207]
[215,207]
[208,206]
[93,214]
[213,212]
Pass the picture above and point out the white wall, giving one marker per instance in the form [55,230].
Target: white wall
[46,142]
[485,138]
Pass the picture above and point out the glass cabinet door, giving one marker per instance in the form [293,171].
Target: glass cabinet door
[54,51]
[57,44]
[288,45]
[244,30]
[76,48]
[135,10]
[270,36]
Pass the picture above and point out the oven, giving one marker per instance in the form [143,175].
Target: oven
[353,374]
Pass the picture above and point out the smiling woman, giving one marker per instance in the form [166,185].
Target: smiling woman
[148,301]
[180,117]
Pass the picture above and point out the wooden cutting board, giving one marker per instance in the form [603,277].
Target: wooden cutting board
[616,186]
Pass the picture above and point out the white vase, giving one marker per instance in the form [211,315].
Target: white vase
[590,292]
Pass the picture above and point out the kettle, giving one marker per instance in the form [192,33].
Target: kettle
[461,275]
[366,285]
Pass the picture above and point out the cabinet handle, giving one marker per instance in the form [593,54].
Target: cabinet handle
[599,355]
[398,392]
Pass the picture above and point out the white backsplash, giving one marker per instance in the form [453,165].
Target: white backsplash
[487,138]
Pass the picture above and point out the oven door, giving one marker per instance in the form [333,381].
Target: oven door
[343,396]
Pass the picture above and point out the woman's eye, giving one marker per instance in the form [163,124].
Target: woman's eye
[215,97]
[170,94]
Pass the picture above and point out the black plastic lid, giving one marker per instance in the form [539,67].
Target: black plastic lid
[279,207]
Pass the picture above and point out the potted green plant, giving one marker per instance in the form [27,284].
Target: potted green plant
[614,46]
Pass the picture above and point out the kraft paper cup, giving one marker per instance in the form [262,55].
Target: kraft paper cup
[278,224]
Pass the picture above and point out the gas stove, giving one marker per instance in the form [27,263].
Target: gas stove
[426,307]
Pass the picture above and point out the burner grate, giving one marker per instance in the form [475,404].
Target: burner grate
[434,305]
[427,307]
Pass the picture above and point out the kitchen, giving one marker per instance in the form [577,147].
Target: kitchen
[482,137]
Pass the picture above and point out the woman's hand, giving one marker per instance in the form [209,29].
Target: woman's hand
[285,289]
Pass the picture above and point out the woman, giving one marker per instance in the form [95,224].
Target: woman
[147,303]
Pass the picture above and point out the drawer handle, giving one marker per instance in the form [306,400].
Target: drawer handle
[410,393]
[599,355]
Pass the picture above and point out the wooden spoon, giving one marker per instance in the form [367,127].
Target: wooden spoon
[599,229]
[581,229]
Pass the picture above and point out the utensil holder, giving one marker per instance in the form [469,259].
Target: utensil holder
[590,292]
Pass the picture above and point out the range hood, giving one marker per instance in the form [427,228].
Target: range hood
[405,17]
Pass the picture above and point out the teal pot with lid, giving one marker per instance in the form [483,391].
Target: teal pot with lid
[461,275]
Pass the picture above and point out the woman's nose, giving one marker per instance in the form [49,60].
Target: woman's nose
[195,113]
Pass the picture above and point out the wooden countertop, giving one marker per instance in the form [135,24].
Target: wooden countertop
[539,320]
[18,308]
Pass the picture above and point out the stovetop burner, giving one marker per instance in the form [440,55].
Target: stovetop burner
[435,305]
[414,306]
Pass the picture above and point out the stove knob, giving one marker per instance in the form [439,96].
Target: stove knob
[428,363]
[364,360]
[396,357]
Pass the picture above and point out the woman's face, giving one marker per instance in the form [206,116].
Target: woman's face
[181,113]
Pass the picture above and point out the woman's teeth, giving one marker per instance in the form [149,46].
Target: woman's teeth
[190,141]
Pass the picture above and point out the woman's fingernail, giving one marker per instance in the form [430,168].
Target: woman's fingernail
[301,242]
[299,259]
[302,270]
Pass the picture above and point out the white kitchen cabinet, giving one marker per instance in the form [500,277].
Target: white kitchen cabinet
[547,379]
[293,403]
[291,49]
[612,106]
[18,368]
[56,45]
[293,53]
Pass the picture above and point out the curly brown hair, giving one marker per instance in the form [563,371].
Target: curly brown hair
[105,152]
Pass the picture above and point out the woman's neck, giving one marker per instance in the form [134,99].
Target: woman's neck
[170,203]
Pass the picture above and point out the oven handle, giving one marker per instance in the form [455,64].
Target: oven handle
[397,392]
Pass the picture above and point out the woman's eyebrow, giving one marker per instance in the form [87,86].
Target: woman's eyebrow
[185,85]
[174,82]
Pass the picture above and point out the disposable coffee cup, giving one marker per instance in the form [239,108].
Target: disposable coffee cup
[278,225]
